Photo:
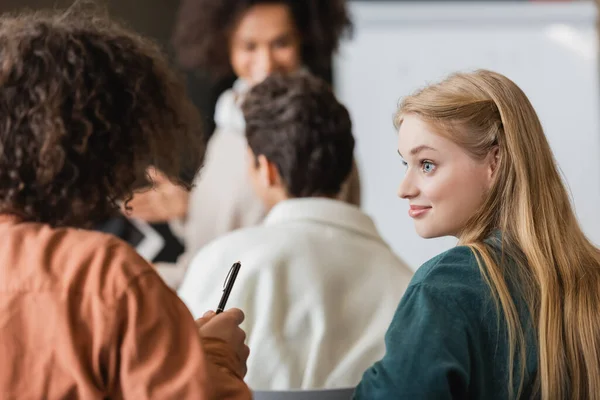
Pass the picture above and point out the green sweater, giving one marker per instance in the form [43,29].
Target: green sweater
[446,340]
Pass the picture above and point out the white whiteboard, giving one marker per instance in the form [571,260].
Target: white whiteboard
[547,49]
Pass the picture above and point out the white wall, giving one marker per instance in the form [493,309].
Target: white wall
[547,49]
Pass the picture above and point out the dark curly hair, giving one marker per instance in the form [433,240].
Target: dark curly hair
[85,107]
[296,122]
[204,26]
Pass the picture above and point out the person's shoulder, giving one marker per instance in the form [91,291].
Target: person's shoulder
[225,156]
[225,100]
[259,248]
[228,114]
[454,273]
[102,245]
[233,244]
[99,266]
[455,262]
[242,237]
[104,265]
[75,242]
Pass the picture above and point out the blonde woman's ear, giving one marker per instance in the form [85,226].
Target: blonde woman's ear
[494,161]
[495,157]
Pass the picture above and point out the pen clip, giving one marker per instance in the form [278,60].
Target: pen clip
[227,277]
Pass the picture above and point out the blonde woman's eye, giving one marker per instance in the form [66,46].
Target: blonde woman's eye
[427,166]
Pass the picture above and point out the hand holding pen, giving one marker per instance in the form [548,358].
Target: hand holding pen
[224,325]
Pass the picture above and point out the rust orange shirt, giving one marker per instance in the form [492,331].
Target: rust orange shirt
[82,316]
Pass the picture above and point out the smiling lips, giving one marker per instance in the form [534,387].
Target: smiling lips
[418,211]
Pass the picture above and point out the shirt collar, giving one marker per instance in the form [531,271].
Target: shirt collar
[326,211]
[6,218]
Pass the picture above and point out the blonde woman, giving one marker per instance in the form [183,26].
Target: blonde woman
[514,310]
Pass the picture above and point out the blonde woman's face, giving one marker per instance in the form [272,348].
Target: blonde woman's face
[265,41]
[443,184]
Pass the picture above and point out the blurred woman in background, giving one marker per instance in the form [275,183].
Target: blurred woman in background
[252,39]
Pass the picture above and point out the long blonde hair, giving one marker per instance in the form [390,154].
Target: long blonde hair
[558,268]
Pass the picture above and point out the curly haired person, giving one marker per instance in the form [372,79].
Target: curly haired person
[85,107]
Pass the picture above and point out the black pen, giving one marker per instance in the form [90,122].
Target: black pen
[228,285]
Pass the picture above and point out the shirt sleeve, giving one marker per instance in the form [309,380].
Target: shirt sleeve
[427,351]
[161,355]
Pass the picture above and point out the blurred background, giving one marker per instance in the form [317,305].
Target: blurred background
[549,48]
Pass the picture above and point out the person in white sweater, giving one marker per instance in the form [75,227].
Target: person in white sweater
[318,284]
[252,39]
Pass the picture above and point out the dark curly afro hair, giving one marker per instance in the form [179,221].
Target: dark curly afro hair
[203,29]
[85,107]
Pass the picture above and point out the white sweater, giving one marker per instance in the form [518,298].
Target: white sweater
[318,286]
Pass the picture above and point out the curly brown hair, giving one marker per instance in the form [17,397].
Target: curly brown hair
[296,122]
[85,107]
[203,26]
